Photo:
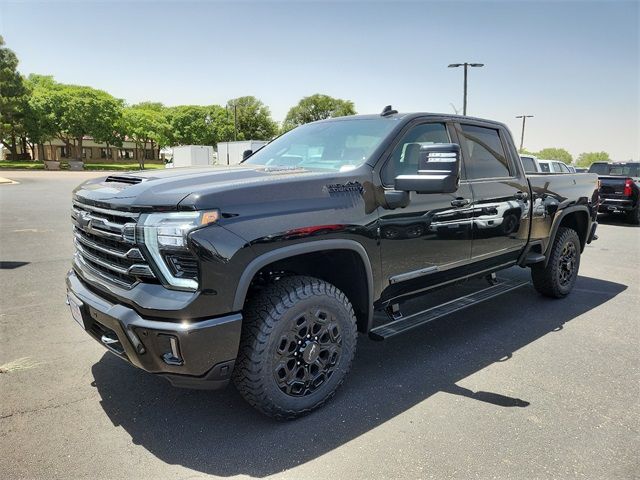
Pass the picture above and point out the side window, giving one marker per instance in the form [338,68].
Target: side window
[545,167]
[485,157]
[406,155]
[564,168]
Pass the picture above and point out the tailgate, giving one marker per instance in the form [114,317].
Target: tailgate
[612,186]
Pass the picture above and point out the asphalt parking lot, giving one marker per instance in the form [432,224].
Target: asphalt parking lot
[526,387]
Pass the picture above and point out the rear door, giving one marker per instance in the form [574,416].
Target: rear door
[500,192]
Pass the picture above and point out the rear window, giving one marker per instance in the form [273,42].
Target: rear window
[528,164]
[616,169]
[545,167]
[626,170]
[599,168]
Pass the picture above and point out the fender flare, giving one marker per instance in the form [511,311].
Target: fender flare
[556,224]
[299,249]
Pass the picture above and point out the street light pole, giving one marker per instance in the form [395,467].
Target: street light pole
[524,121]
[466,65]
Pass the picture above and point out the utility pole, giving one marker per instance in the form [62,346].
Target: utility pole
[524,121]
[466,65]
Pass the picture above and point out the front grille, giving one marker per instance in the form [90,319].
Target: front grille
[104,241]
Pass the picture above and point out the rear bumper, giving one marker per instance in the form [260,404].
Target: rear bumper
[197,354]
[615,205]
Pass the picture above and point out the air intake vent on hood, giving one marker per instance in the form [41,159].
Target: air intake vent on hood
[124,179]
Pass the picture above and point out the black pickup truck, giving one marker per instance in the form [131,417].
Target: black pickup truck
[619,188]
[264,273]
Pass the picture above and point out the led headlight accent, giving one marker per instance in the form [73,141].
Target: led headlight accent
[168,231]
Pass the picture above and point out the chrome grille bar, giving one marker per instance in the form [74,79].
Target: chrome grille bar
[104,240]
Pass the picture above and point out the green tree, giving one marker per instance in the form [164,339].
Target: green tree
[252,120]
[197,125]
[587,158]
[146,125]
[83,111]
[39,121]
[14,97]
[555,154]
[317,107]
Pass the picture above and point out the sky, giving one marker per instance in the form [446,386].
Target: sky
[574,65]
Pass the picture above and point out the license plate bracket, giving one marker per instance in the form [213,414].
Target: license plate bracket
[76,309]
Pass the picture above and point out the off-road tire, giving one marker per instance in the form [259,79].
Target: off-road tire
[269,318]
[554,280]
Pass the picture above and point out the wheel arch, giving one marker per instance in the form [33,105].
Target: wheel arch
[575,217]
[304,256]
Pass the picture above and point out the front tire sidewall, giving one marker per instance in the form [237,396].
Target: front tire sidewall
[348,336]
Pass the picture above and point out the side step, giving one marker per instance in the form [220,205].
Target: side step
[409,322]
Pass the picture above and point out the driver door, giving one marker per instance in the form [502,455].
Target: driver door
[432,235]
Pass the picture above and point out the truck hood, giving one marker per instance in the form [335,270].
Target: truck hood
[195,187]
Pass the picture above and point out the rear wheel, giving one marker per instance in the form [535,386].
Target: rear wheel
[633,217]
[297,345]
[558,277]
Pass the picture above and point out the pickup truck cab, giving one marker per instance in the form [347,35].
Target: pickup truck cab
[264,273]
[554,166]
[619,188]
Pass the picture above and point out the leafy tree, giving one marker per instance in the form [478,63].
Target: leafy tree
[13,100]
[252,119]
[83,111]
[146,125]
[587,158]
[197,125]
[317,107]
[40,122]
[555,154]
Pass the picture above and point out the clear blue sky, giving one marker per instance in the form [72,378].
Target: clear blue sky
[574,65]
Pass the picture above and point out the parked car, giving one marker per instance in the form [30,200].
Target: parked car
[264,273]
[553,166]
[619,188]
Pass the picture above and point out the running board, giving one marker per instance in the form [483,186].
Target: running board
[409,322]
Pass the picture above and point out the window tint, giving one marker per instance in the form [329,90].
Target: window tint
[599,168]
[406,155]
[564,168]
[626,170]
[485,157]
[556,167]
[528,164]
[545,167]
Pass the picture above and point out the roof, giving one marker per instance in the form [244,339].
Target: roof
[408,116]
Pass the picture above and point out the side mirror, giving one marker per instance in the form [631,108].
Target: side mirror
[246,154]
[438,170]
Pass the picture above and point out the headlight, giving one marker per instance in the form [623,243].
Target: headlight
[165,236]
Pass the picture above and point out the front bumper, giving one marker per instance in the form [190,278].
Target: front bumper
[197,354]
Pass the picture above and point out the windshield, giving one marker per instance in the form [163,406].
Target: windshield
[336,145]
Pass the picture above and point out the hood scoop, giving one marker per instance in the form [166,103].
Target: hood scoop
[126,179]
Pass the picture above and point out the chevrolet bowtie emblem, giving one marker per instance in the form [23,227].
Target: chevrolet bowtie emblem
[84,220]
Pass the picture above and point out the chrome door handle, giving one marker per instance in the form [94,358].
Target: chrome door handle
[460,202]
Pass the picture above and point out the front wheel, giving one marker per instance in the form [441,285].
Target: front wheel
[297,345]
[558,277]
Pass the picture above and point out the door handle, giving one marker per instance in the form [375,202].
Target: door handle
[521,195]
[460,202]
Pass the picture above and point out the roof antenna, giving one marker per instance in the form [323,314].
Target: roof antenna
[388,110]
